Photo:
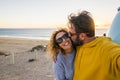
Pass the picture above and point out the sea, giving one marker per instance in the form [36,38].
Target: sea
[36,33]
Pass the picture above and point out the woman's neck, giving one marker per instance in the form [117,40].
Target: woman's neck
[69,50]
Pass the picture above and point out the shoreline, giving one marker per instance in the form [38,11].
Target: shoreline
[21,37]
[13,44]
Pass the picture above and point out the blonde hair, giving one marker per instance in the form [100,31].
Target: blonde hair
[53,48]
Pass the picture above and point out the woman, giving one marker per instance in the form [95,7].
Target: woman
[60,45]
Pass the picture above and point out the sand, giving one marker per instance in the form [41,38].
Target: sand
[21,68]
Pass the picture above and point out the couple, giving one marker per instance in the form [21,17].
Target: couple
[95,58]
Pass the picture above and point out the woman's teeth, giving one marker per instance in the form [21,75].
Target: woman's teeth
[66,43]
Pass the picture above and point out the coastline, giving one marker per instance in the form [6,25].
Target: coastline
[22,69]
[13,44]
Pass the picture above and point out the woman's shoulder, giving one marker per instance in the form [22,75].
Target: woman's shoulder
[59,56]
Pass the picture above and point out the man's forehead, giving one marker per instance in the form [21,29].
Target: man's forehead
[72,29]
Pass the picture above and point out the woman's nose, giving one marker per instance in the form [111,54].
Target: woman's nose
[64,39]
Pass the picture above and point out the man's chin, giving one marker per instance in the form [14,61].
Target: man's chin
[77,43]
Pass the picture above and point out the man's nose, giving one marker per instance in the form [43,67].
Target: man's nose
[69,34]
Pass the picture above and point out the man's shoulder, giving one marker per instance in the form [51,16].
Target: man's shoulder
[107,42]
[104,40]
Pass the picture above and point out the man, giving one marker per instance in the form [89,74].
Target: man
[97,58]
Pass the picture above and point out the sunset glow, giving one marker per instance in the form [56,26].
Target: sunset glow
[97,23]
[49,14]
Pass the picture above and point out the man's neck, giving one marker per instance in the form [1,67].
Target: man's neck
[87,40]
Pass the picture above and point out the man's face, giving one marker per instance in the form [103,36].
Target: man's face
[75,36]
[72,31]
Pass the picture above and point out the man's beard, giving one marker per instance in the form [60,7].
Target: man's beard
[77,42]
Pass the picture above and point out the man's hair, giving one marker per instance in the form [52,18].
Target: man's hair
[83,23]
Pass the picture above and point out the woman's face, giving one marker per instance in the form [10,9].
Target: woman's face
[64,41]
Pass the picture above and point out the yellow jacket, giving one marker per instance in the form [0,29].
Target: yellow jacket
[97,60]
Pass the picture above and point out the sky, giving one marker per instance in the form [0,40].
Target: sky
[53,13]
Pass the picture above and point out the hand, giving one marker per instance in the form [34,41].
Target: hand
[54,58]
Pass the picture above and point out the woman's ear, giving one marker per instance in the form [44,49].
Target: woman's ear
[57,45]
[82,36]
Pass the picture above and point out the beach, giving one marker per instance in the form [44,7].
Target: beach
[19,60]
[20,63]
